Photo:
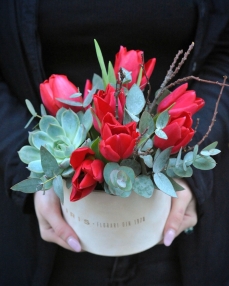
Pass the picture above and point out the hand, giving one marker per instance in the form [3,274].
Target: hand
[53,227]
[182,215]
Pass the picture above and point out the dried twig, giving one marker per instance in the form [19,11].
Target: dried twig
[215,112]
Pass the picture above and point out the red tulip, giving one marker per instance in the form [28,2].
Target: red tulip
[105,102]
[179,133]
[182,100]
[58,86]
[89,171]
[131,61]
[118,141]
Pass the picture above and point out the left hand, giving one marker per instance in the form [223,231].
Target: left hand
[182,214]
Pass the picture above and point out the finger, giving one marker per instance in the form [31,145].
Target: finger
[176,217]
[53,227]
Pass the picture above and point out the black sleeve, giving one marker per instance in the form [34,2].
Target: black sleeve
[214,68]
[14,116]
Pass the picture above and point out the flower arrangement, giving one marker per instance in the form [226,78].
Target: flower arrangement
[113,136]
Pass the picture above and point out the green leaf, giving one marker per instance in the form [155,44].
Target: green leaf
[35,166]
[30,107]
[161,160]
[143,186]
[49,163]
[204,163]
[111,74]
[146,124]
[101,63]
[70,102]
[164,184]
[133,164]
[188,158]
[70,123]
[162,120]
[97,81]
[55,131]
[75,95]
[95,148]
[161,134]
[45,122]
[210,146]
[40,138]
[109,167]
[68,173]
[28,123]
[127,74]
[135,100]
[165,93]
[87,120]
[148,160]
[90,95]
[176,186]
[195,151]
[132,116]
[183,172]
[28,154]
[211,152]
[80,136]
[43,111]
[58,188]
[30,185]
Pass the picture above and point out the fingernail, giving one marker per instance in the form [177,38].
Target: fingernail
[169,237]
[74,244]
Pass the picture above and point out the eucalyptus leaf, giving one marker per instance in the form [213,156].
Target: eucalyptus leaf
[146,124]
[58,188]
[161,160]
[148,160]
[49,163]
[135,100]
[30,107]
[28,123]
[89,97]
[181,172]
[97,81]
[133,164]
[162,120]
[161,134]
[75,95]
[132,116]
[70,102]
[204,163]
[164,184]
[210,146]
[143,186]
[188,158]
[30,185]
[43,111]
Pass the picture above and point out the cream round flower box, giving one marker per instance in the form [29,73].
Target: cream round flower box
[113,226]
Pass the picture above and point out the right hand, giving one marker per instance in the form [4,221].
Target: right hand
[53,227]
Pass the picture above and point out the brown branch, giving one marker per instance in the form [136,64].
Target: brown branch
[215,112]
[117,91]
[194,78]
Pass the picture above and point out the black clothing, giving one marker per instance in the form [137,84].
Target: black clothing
[203,257]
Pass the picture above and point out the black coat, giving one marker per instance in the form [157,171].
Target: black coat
[27,260]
